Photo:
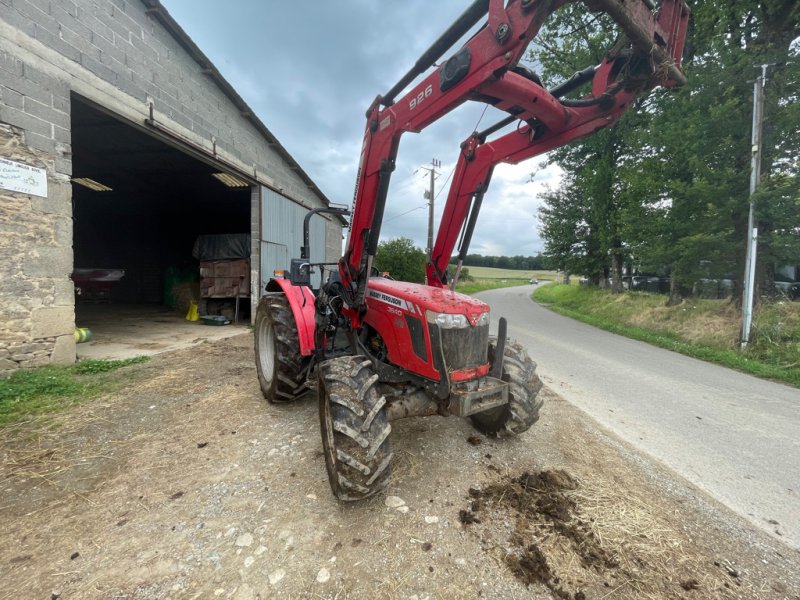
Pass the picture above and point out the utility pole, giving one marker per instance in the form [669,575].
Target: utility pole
[435,163]
[752,230]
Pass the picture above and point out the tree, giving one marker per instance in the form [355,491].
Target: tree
[570,235]
[669,186]
[538,262]
[700,142]
[401,259]
[582,221]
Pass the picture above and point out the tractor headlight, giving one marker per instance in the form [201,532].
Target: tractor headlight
[448,321]
[451,321]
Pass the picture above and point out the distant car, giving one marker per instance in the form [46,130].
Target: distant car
[534,281]
[787,287]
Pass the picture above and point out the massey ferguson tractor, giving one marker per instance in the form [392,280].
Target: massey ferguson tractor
[377,349]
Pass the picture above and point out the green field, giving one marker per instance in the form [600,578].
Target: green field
[491,273]
[487,278]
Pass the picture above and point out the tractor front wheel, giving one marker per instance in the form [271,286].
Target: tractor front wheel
[355,430]
[281,368]
[522,410]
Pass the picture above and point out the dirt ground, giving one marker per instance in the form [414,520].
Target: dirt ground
[188,485]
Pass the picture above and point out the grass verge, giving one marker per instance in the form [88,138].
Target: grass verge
[45,390]
[704,329]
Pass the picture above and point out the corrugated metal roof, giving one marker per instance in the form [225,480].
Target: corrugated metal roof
[159,12]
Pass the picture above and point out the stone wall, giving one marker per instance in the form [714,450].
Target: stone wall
[36,294]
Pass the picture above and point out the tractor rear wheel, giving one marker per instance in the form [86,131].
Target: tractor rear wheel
[522,410]
[355,430]
[281,368]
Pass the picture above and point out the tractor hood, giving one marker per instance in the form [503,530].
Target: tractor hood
[416,298]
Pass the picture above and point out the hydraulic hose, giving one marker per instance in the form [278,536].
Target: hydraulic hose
[594,100]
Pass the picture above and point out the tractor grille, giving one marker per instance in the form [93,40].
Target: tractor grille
[465,348]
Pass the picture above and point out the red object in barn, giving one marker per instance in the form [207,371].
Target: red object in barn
[95,285]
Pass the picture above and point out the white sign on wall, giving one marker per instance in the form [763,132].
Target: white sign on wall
[21,178]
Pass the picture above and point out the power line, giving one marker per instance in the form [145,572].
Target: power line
[485,106]
[405,213]
[441,189]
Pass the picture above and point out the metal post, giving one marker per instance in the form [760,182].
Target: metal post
[752,231]
[430,217]
[429,197]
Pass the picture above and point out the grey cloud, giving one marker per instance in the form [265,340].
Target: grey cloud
[310,70]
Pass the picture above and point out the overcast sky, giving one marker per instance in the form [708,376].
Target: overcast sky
[311,69]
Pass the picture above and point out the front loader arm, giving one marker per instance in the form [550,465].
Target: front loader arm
[490,52]
[479,157]
[545,123]
[479,71]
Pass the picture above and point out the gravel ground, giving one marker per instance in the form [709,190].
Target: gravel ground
[188,485]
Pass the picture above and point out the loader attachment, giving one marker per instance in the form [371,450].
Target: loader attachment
[661,38]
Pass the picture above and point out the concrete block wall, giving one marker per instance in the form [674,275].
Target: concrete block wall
[117,54]
[121,43]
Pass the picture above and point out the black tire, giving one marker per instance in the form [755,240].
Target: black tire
[523,406]
[355,430]
[281,368]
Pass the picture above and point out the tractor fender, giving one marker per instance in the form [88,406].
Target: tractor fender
[301,301]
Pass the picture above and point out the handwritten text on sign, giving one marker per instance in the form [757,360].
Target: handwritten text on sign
[17,177]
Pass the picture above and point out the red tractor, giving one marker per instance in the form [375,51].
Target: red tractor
[380,349]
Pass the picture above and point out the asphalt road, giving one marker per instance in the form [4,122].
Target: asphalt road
[735,436]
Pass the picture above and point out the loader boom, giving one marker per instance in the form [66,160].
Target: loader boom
[483,70]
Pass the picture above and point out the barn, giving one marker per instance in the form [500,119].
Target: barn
[126,158]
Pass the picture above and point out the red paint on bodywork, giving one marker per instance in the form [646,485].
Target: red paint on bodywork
[429,298]
[387,299]
[302,301]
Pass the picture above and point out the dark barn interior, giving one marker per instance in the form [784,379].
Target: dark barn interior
[161,199]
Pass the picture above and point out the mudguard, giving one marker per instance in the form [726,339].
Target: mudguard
[301,300]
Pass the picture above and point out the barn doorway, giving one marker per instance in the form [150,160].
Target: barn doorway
[139,206]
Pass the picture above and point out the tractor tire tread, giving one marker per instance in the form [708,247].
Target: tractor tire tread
[287,381]
[524,402]
[355,429]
